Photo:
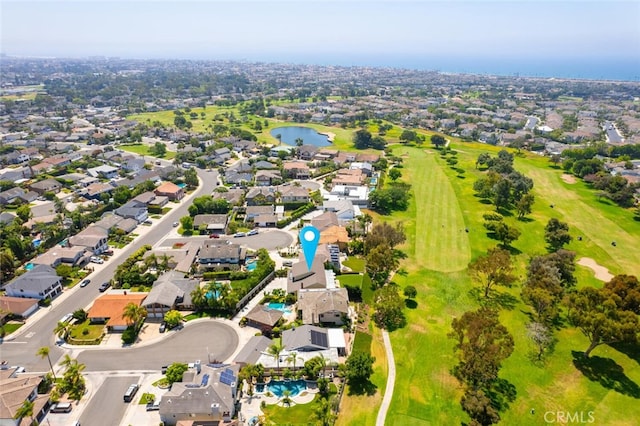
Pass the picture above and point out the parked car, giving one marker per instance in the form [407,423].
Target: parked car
[108,252]
[131,392]
[163,327]
[96,259]
[253,232]
[239,234]
[84,283]
[175,224]
[214,236]
[104,286]
[153,406]
[61,407]
[163,369]
[147,222]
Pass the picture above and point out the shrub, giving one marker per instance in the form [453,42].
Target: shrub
[129,336]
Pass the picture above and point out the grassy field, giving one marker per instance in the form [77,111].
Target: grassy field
[342,139]
[438,251]
[141,149]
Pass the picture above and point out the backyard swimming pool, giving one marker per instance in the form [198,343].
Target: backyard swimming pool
[251,266]
[278,387]
[279,307]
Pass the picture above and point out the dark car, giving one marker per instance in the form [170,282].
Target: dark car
[214,236]
[104,286]
[130,393]
[163,369]
[84,283]
[163,327]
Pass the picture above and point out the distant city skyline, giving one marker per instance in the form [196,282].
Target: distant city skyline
[459,36]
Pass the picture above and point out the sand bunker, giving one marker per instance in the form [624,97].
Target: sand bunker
[568,178]
[601,272]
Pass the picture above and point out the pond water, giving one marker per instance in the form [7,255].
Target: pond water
[309,136]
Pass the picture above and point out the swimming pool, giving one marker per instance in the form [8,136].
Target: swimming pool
[251,266]
[28,266]
[278,387]
[182,185]
[279,307]
[36,242]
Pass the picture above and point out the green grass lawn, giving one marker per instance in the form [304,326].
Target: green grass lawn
[11,327]
[146,398]
[354,280]
[141,149]
[355,263]
[438,250]
[94,331]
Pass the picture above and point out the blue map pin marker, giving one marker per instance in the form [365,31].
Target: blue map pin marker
[309,239]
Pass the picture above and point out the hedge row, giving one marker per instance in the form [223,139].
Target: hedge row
[297,214]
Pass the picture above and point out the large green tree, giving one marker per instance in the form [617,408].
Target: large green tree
[175,371]
[359,366]
[600,315]
[389,308]
[438,141]
[494,268]
[556,234]
[482,344]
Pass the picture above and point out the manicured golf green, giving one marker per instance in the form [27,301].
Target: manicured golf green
[425,391]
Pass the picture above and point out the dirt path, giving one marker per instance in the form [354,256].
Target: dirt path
[600,271]
[568,178]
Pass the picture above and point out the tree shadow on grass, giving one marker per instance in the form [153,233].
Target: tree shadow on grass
[501,393]
[410,303]
[606,372]
[362,388]
[525,219]
[632,350]
[512,250]
[496,299]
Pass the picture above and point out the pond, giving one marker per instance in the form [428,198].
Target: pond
[288,136]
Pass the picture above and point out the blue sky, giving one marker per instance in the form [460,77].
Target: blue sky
[272,30]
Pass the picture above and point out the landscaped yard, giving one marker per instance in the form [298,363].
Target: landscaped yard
[438,250]
[10,327]
[355,263]
[86,331]
[142,149]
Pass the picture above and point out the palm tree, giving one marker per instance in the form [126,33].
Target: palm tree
[292,358]
[299,142]
[275,350]
[363,221]
[44,352]
[73,382]
[199,297]
[25,410]
[133,314]
[286,400]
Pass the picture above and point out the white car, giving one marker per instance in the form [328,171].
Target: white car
[96,259]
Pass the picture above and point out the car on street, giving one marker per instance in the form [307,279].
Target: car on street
[96,259]
[130,393]
[163,327]
[239,234]
[253,232]
[104,286]
[84,283]
[175,224]
[147,222]
[214,236]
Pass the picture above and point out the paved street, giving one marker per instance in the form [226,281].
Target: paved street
[38,331]
[106,406]
[186,345]
[270,239]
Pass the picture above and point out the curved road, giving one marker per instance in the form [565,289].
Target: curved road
[186,345]
[22,350]
[268,239]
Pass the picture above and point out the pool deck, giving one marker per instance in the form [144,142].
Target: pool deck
[251,404]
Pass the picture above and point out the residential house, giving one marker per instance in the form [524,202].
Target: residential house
[12,195]
[170,291]
[268,177]
[40,283]
[95,190]
[233,196]
[171,190]
[47,185]
[294,194]
[335,235]
[132,165]
[263,318]
[353,177]
[296,169]
[15,389]
[264,165]
[266,220]
[323,306]
[104,171]
[310,338]
[365,157]
[21,307]
[260,196]
[75,256]
[92,238]
[344,209]
[307,152]
[108,309]
[238,178]
[212,223]
[301,277]
[253,211]
[109,222]
[7,218]
[365,168]
[207,395]
[252,350]
[325,221]
[221,255]
[133,210]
